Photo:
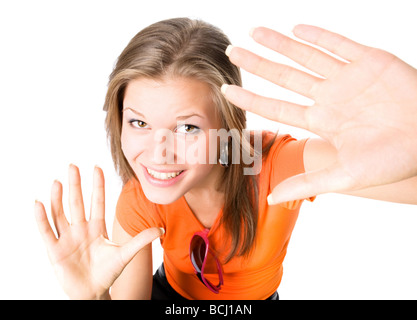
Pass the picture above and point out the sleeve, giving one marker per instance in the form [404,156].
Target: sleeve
[286,160]
[134,211]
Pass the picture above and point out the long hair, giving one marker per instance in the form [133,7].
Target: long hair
[194,49]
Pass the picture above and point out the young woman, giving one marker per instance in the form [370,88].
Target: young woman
[225,225]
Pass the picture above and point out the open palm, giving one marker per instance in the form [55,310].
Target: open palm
[85,261]
[365,106]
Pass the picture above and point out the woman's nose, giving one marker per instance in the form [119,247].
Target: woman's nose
[162,148]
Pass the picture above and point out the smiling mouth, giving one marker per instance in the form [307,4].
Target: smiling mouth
[163,175]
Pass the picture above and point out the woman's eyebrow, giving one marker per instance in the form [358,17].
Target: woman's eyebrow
[134,111]
[182,117]
[189,116]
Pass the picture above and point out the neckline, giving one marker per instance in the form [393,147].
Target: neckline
[198,222]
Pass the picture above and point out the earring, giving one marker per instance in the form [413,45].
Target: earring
[224,154]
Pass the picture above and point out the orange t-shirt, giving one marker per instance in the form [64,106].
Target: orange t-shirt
[255,277]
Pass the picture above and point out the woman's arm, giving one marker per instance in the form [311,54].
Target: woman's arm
[319,154]
[135,282]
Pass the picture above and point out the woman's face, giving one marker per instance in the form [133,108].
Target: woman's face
[165,136]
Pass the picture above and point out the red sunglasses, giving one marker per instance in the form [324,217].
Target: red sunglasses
[199,250]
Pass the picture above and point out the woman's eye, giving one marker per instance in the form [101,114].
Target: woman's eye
[138,123]
[187,128]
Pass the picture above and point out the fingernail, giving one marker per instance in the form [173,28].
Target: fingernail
[162,231]
[224,88]
[36,204]
[229,49]
[56,182]
[251,31]
[270,200]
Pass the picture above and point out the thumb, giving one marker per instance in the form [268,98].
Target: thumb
[131,248]
[307,185]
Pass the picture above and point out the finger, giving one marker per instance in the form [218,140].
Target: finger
[131,248]
[306,185]
[57,210]
[76,202]
[44,227]
[307,56]
[282,75]
[333,42]
[281,111]
[98,198]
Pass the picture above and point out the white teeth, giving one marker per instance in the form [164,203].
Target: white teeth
[163,175]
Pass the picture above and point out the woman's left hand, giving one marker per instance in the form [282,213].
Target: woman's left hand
[364,106]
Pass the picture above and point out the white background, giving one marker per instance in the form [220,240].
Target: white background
[55,59]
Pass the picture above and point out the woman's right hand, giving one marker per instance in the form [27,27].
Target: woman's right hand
[85,261]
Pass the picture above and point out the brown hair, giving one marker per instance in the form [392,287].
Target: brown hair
[195,49]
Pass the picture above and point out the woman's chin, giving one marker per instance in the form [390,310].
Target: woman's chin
[161,196]
[161,200]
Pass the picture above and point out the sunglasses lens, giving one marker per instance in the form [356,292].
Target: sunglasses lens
[198,252]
